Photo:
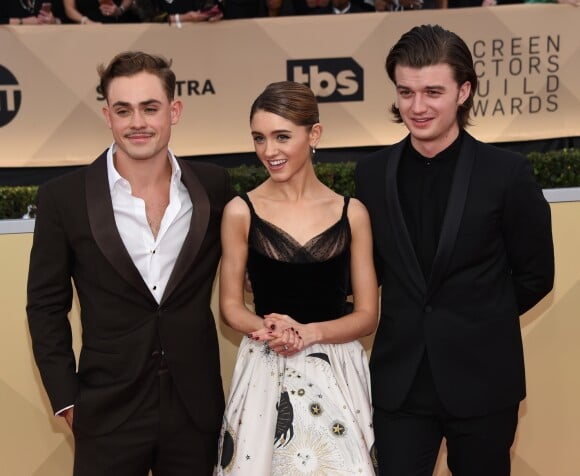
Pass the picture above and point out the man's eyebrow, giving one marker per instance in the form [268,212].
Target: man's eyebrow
[434,87]
[148,102]
[429,86]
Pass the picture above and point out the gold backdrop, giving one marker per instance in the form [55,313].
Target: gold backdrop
[34,443]
[527,58]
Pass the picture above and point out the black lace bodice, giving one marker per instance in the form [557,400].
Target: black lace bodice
[308,282]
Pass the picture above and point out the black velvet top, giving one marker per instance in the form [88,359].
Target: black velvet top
[308,282]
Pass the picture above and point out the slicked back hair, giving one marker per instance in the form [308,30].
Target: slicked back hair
[429,45]
[293,101]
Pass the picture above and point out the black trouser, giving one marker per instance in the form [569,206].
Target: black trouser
[160,436]
[408,440]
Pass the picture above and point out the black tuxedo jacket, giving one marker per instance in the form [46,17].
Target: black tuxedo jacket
[123,327]
[494,261]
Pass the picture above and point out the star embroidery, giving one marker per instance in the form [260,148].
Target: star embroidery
[315,409]
[338,429]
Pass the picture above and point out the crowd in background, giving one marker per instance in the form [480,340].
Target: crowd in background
[177,12]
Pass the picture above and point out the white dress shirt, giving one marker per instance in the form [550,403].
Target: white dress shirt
[153,257]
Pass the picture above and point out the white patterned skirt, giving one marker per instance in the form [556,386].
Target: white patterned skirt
[309,414]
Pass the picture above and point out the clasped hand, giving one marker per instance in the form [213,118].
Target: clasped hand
[45,18]
[284,335]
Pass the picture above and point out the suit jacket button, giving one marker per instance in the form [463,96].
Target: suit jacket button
[428,309]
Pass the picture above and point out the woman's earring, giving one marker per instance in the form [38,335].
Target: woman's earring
[312,151]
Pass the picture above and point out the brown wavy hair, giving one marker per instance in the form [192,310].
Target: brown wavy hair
[428,45]
[130,63]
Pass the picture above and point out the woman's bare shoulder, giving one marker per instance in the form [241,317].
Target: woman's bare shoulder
[236,207]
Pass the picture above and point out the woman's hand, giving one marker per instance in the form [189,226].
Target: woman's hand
[282,333]
[288,337]
[194,16]
[110,9]
[45,18]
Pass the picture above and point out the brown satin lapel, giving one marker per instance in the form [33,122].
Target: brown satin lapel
[399,226]
[454,211]
[104,228]
[197,228]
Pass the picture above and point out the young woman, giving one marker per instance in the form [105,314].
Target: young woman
[300,398]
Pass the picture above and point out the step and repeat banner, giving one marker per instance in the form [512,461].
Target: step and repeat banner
[527,58]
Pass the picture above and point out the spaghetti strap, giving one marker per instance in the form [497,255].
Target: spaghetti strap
[345,207]
[246,199]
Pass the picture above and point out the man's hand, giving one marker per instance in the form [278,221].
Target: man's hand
[68,415]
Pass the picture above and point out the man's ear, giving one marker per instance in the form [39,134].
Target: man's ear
[464,91]
[175,110]
[107,115]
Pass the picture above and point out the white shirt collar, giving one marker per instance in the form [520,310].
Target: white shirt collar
[116,178]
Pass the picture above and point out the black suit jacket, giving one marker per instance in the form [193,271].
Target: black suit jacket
[123,327]
[494,261]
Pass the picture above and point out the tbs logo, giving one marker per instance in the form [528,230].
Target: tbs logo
[10,96]
[331,79]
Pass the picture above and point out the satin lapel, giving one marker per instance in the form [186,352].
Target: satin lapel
[104,228]
[454,211]
[197,228]
[399,226]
